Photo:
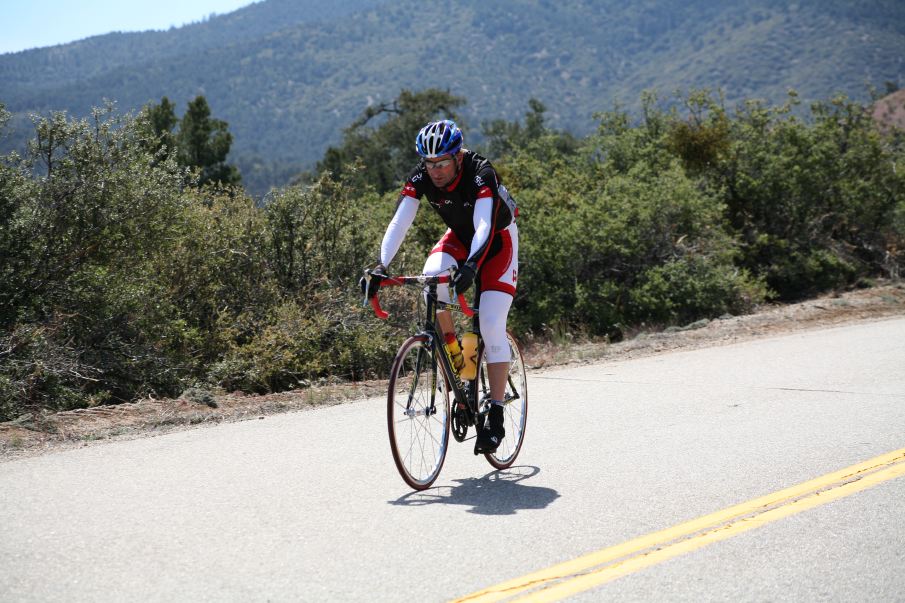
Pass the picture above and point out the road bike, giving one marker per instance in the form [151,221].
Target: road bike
[427,399]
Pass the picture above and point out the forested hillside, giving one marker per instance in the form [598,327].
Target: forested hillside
[77,61]
[124,275]
[289,76]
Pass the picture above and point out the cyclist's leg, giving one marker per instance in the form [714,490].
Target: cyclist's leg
[495,358]
[505,373]
[445,254]
[438,262]
[494,312]
[498,278]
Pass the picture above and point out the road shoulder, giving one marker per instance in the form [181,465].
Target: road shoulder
[32,435]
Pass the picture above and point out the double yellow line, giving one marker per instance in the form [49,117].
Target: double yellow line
[586,572]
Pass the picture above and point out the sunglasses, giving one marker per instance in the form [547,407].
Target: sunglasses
[437,165]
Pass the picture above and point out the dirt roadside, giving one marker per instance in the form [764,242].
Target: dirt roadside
[33,435]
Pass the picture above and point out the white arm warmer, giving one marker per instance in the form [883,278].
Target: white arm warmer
[482,209]
[400,224]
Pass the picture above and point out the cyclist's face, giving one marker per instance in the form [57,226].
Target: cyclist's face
[441,170]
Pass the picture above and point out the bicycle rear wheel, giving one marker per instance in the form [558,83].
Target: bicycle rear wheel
[515,409]
[418,413]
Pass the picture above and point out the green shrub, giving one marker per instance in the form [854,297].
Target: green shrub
[684,290]
[119,279]
[303,341]
[811,201]
[39,371]
[640,242]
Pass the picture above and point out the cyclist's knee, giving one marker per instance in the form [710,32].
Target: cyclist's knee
[438,263]
[494,312]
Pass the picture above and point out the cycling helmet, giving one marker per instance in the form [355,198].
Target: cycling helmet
[439,138]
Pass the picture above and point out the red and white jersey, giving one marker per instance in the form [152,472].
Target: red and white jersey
[475,203]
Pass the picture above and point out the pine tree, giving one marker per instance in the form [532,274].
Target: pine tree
[163,120]
[200,142]
[204,142]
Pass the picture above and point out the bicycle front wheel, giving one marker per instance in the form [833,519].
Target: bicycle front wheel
[418,413]
[515,405]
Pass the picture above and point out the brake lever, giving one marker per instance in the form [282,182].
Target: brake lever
[378,311]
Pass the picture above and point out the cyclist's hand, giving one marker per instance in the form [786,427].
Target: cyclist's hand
[377,274]
[464,277]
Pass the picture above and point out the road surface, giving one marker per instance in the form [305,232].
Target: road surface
[308,506]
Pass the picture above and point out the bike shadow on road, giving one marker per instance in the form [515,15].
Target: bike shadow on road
[496,493]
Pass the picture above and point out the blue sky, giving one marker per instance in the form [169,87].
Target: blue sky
[36,23]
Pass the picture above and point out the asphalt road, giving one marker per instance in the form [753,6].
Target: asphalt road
[308,506]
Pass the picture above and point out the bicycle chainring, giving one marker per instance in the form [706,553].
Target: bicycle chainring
[459,424]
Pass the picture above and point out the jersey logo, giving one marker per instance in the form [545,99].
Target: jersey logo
[478,181]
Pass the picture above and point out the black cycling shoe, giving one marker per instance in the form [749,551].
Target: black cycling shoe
[493,432]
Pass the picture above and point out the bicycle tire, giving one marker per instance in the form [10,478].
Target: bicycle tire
[515,410]
[419,438]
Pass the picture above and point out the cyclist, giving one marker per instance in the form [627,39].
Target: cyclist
[481,243]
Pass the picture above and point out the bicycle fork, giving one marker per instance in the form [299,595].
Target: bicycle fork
[431,409]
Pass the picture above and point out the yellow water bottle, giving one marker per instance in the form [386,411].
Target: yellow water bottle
[470,352]
[454,351]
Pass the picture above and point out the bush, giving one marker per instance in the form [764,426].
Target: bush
[641,242]
[120,279]
[310,337]
[811,202]
[684,290]
[40,372]
[79,236]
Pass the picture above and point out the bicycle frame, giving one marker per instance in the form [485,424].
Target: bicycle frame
[419,427]
[430,331]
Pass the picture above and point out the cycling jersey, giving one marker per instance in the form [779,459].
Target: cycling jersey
[456,203]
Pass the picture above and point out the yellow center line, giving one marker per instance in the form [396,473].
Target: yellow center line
[599,567]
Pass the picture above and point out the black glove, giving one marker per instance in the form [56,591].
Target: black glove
[464,277]
[378,273]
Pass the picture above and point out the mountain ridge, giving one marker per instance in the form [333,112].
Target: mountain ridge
[288,77]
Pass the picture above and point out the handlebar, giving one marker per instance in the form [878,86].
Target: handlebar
[422,280]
